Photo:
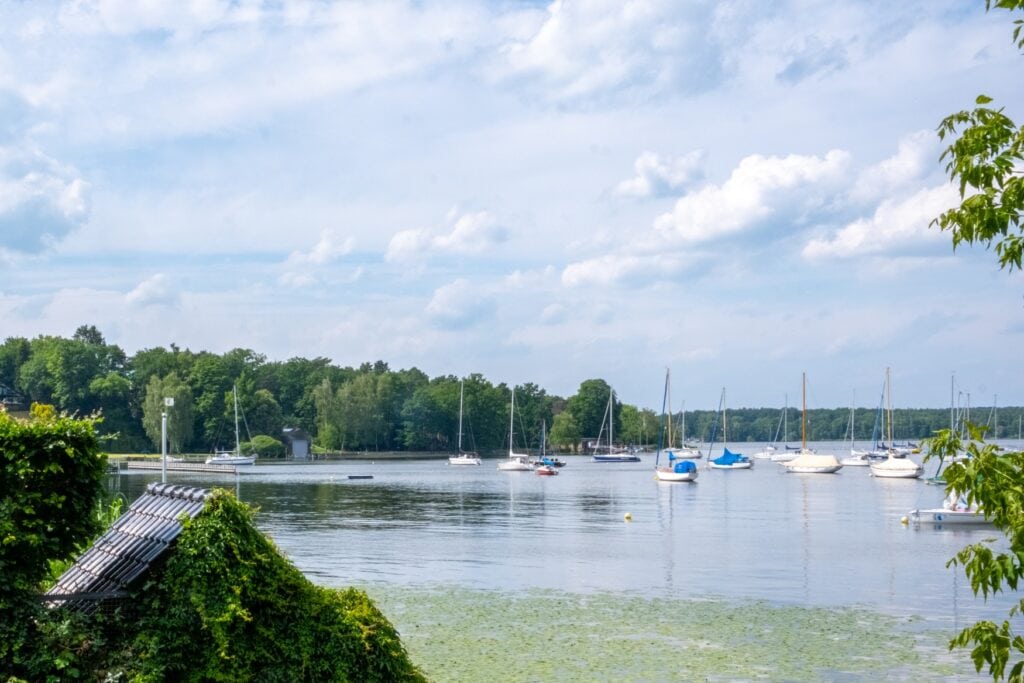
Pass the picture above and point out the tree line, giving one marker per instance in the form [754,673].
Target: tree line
[371,407]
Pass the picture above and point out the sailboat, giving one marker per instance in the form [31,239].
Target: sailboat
[684,451]
[857,458]
[727,460]
[516,462]
[463,458]
[544,459]
[807,461]
[787,453]
[770,449]
[684,469]
[895,466]
[613,454]
[232,457]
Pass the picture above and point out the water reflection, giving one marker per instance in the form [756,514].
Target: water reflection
[751,534]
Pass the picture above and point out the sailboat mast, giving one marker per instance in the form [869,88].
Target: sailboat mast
[725,429]
[611,420]
[234,395]
[668,405]
[888,401]
[785,419]
[461,389]
[952,417]
[803,412]
[511,419]
[682,426]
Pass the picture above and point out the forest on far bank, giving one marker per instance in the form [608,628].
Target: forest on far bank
[375,408]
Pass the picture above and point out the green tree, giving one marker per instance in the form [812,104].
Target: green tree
[179,416]
[589,406]
[13,354]
[984,159]
[565,432]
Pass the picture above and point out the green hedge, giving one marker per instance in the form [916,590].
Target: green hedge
[51,474]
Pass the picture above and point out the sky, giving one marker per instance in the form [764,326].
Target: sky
[737,190]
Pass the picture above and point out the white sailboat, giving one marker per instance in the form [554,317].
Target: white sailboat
[857,458]
[786,454]
[612,454]
[895,466]
[684,469]
[516,462]
[463,458]
[727,460]
[770,449]
[232,457]
[807,461]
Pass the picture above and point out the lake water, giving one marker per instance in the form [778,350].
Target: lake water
[788,540]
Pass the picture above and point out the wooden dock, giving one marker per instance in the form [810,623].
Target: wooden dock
[156,465]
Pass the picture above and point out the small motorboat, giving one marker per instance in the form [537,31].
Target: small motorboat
[546,470]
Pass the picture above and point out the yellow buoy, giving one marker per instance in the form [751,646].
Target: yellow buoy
[628,516]
[904,520]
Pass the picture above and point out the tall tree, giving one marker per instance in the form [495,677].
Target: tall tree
[984,159]
[179,416]
[589,406]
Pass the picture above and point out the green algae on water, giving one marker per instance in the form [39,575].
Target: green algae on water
[458,634]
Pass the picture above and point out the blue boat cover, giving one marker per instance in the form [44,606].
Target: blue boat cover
[729,458]
[684,466]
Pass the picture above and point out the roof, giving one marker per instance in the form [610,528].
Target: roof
[295,434]
[123,555]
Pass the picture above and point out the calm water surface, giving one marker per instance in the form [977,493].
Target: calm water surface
[761,534]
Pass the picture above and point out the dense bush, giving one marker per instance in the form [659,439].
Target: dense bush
[264,446]
[230,607]
[51,473]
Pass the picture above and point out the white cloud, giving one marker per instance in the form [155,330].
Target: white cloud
[897,225]
[916,156]
[657,177]
[41,200]
[458,304]
[470,233]
[407,244]
[154,290]
[759,187]
[623,267]
[300,268]
[583,48]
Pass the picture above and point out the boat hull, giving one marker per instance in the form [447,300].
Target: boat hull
[733,466]
[669,474]
[615,458]
[942,516]
[546,471]
[464,460]
[814,469]
[231,460]
[896,474]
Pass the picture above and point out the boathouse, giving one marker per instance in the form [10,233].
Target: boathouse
[296,442]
